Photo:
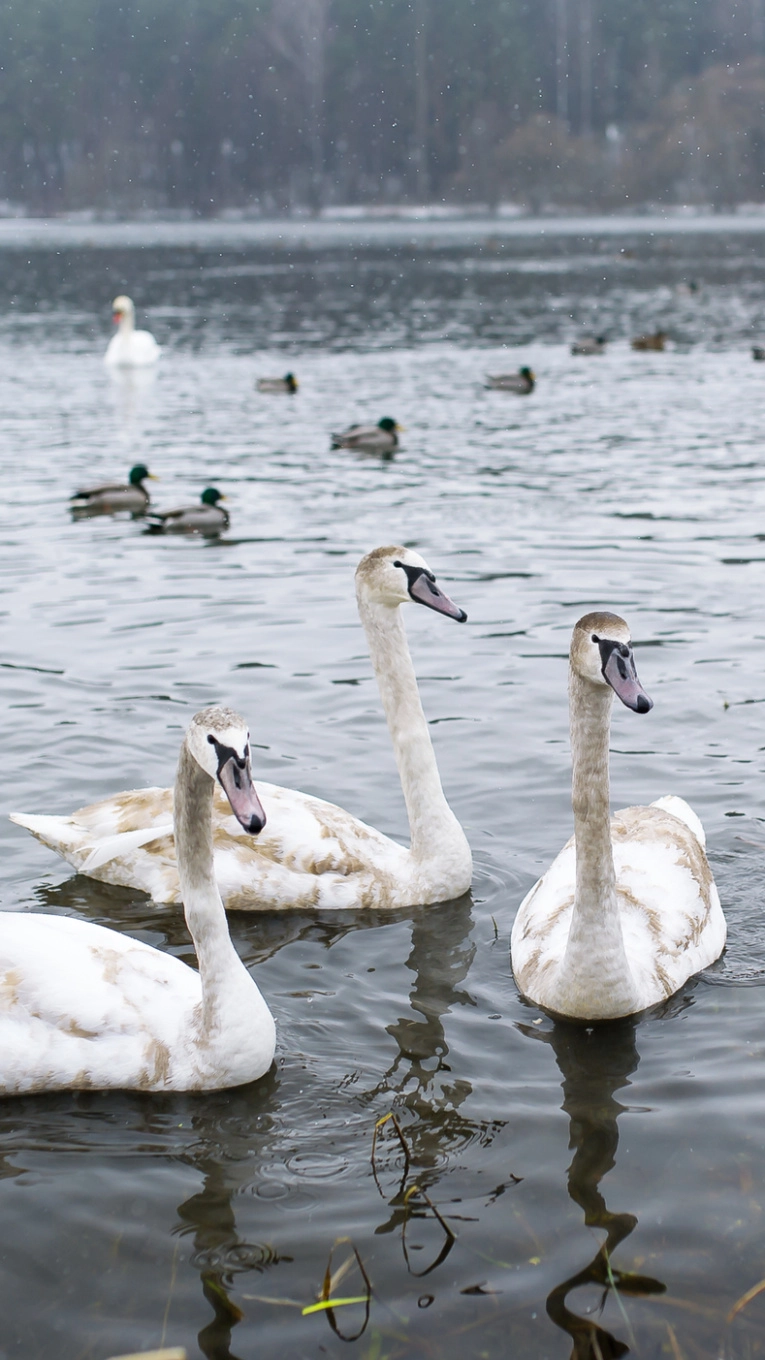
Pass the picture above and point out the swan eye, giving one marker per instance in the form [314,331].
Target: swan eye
[211,739]
[595,638]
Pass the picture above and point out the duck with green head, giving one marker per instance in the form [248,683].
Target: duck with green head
[208,518]
[379,438]
[109,498]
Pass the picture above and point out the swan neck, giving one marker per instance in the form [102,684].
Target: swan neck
[595,967]
[431,820]
[127,323]
[590,719]
[226,984]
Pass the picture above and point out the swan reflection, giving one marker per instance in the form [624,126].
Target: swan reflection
[595,1063]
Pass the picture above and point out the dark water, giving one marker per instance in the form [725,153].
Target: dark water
[578,1193]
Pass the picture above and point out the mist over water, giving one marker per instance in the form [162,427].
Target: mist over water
[627,481]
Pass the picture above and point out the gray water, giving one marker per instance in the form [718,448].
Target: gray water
[632,482]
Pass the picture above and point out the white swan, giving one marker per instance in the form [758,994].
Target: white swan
[312,854]
[629,910]
[85,1007]
[129,348]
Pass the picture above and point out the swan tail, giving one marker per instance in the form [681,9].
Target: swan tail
[75,843]
[680,809]
[58,833]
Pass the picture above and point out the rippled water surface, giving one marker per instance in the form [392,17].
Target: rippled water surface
[630,481]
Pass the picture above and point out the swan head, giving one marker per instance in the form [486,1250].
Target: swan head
[219,741]
[393,576]
[122,307]
[601,652]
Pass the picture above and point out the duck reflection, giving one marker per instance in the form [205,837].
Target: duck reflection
[595,1063]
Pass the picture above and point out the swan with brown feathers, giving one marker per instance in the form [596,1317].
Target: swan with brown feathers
[84,1007]
[312,853]
[629,909]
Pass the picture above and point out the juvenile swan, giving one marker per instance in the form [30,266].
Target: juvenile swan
[312,853]
[86,1007]
[629,910]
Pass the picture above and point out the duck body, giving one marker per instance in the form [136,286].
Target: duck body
[83,1007]
[311,854]
[379,438]
[287,385]
[111,498]
[129,348]
[628,911]
[589,344]
[655,341]
[208,518]
[758,353]
[523,382]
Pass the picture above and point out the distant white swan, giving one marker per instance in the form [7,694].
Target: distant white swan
[129,348]
[629,909]
[312,853]
[85,1007]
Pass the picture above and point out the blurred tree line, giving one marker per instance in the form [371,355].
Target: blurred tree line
[278,104]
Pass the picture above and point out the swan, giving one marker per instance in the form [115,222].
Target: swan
[629,909]
[523,382]
[379,438]
[312,854]
[129,348]
[82,1006]
[288,383]
[589,344]
[207,518]
[111,497]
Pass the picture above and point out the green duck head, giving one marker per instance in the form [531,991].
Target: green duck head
[139,474]
[388,425]
[211,497]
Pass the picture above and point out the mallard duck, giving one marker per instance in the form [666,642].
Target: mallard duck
[313,853]
[111,497]
[379,438]
[288,383]
[629,909]
[589,344]
[129,348]
[207,518]
[85,1007]
[521,382]
[654,341]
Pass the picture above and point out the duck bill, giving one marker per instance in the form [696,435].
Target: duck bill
[620,672]
[424,591]
[236,782]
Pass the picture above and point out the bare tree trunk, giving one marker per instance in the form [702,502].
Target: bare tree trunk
[421,99]
[561,61]
[585,67]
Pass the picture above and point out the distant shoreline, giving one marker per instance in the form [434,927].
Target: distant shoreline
[337,232]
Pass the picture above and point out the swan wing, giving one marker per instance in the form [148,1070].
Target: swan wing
[311,853]
[82,1006]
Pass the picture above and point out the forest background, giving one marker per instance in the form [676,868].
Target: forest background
[272,106]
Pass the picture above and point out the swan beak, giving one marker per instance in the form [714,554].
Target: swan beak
[236,782]
[619,670]
[425,591]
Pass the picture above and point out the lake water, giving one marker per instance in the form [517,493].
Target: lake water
[630,481]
